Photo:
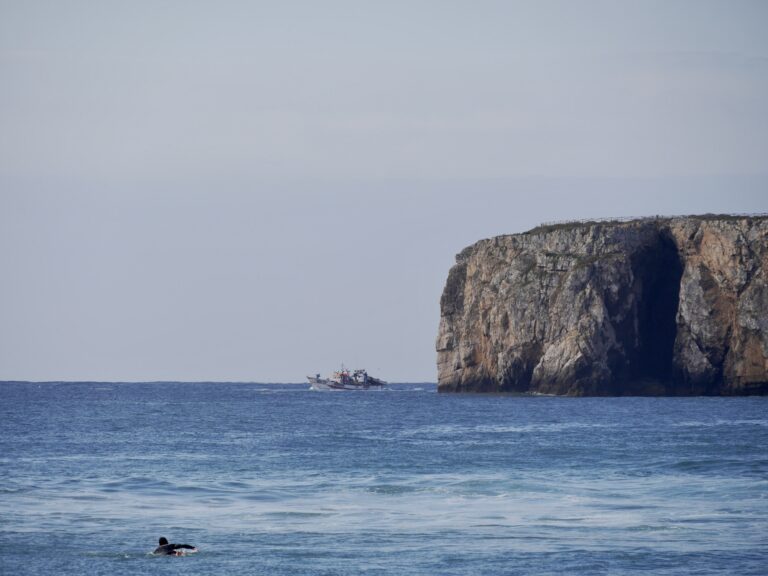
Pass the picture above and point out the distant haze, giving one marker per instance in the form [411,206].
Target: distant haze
[263,190]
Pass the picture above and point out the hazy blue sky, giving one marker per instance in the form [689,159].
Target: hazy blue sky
[262,190]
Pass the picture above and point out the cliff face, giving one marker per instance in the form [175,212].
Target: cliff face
[664,306]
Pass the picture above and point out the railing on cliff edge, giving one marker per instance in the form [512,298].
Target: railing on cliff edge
[620,219]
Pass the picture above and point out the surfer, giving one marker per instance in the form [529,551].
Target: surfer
[166,549]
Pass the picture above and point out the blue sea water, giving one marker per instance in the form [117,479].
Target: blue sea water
[275,479]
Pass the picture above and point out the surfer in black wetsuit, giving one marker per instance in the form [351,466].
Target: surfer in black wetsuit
[166,549]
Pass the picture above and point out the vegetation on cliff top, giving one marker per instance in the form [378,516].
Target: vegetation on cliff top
[547,227]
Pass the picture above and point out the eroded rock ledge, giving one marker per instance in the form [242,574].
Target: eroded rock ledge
[663,306]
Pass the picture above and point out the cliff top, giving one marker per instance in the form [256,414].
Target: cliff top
[616,222]
[572,224]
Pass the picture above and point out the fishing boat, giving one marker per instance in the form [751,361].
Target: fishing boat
[346,379]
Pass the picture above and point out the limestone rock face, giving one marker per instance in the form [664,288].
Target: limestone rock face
[672,306]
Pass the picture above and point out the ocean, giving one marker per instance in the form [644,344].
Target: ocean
[279,480]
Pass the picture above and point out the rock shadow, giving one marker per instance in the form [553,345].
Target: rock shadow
[658,272]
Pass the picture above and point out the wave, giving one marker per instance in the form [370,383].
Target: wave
[719,422]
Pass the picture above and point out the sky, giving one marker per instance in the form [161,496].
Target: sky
[257,191]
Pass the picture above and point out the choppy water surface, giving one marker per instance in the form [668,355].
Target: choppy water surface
[269,479]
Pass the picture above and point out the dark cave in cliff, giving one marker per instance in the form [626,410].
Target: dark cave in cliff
[659,270]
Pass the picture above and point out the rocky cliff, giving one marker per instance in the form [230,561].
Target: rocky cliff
[663,306]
